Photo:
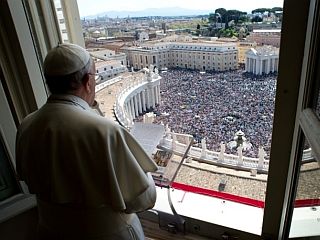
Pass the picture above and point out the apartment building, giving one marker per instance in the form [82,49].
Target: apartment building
[243,47]
[109,64]
[265,37]
[199,55]
[108,69]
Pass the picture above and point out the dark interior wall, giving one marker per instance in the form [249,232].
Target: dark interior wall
[20,227]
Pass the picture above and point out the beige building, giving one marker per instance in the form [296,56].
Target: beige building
[107,54]
[69,24]
[265,37]
[243,47]
[108,69]
[200,55]
[108,63]
[61,21]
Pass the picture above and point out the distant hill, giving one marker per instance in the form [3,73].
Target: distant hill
[151,12]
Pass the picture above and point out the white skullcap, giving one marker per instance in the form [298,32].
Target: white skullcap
[65,59]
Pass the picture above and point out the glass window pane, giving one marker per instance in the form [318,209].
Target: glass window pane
[61,21]
[306,214]
[317,106]
[225,102]
[8,183]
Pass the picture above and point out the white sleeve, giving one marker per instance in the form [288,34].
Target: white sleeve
[145,200]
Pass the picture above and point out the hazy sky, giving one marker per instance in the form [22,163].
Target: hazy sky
[91,7]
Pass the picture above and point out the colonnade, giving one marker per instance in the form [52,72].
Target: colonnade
[138,98]
[142,100]
[258,65]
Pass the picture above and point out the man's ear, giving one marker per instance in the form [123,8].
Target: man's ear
[86,82]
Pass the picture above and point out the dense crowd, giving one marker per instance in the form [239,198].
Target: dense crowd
[215,106]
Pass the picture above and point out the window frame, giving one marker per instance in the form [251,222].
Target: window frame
[294,89]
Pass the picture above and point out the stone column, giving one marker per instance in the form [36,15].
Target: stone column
[240,156]
[222,150]
[268,65]
[136,105]
[252,66]
[203,148]
[159,95]
[143,93]
[154,90]
[129,111]
[139,102]
[256,66]
[261,155]
[273,64]
[247,64]
[156,94]
[146,95]
[150,97]
[153,97]
[132,108]
[260,71]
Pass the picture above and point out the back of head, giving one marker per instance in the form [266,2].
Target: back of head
[65,66]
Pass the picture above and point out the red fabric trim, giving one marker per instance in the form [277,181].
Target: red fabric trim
[238,199]
[306,203]
[222,195]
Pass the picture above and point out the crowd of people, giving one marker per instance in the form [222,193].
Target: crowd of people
[215,105]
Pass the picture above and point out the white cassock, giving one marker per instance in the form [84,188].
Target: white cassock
[89,174]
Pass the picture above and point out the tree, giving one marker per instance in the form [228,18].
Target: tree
[243,19]
[256,19]
[229,32]
[260,10]
[198,30]
[234,15]
[211,18]
[222,12]
[275,9]
[214,17]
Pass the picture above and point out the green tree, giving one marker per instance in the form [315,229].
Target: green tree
[274,9]
[214,17]
[234,15]
[227,32]
[211,18]
[243,19]
[222,12]
[256,19]
[260,10]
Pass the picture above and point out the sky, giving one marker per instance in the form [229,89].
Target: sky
[92,7]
